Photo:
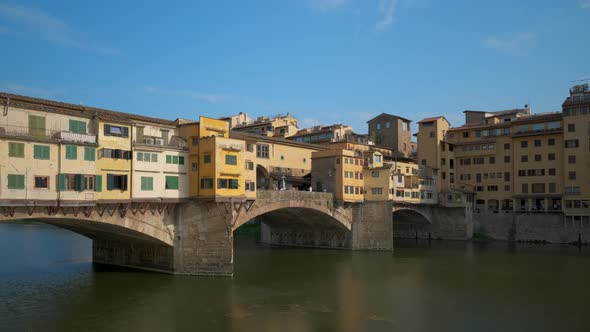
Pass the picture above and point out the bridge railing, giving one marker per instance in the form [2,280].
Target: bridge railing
[287,195]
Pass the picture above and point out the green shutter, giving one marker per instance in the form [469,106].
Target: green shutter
[78,127]
[41,152]
[139,135]
[71,152]
[37,126]
[168,159]
[61,182]
[139,156]
[175,160]
[180,160]
[89,153]
[16,150]
[147,183]
[16,181]
[80,182]
[154,157]
[98,184]
[171,182]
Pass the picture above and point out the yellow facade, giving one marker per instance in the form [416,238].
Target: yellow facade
[113,163]
[339,172]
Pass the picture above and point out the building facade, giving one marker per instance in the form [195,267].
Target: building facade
[393,132]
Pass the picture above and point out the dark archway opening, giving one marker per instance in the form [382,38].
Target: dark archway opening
[297,227]
[262,178]
[409,224]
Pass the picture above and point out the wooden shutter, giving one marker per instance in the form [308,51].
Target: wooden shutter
[110,181]
[98,183]
[61,182]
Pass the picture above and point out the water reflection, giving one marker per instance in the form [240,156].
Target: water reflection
[47,283]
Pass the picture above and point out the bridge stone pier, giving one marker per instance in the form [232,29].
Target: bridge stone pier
[424,221]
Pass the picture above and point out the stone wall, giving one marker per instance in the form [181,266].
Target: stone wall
[448,223]
[135,254]
[372,228]
[550,227]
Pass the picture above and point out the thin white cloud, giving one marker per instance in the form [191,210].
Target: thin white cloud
[584,4]
[20,89]
[516,44]
[208,97]
[326,5]
[25,20]
[386,10]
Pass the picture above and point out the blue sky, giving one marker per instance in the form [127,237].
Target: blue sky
[325,61]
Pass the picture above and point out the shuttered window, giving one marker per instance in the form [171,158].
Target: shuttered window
[147,183]
[16,150]
[16,181]
[78,127]
[89,153]
[71,152]
[36,126]
[41,152]
[171,182]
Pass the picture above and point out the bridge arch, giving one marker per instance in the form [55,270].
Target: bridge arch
[411,222]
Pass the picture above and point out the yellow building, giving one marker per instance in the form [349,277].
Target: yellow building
[216,160]
[339,172]
[113,164]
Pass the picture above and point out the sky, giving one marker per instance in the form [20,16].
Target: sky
[323,61]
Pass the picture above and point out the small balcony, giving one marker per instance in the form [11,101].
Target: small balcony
[69,136]
[175,142]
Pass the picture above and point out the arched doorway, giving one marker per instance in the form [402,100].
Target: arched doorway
[262,178]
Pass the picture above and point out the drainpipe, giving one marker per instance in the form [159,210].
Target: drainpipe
[59,144]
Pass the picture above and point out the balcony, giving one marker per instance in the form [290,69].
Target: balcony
[175,142]
[69,136]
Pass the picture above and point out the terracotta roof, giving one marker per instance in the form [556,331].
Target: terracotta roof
[433,119]
[481,125]
[390,115]
[84,111]
[276,140]
[539,117]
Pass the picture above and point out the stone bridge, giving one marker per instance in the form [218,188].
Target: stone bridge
[195,237]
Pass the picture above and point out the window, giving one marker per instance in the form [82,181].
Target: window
[506,159]
[231,159]
[206,158]
[524,144]
[525,188]
[172,182]
[139,134]
[71,152]
[377,191]
[571,127]
[572,143]
[537,142]
[552,187]
[552,171]
[78,127]
[524,158]
[110,130]
[250,186]
[378,126]
[90,153]
[443,161]
[195,167]
[41,152]
[227,183]
[551,156]
[538,157]
[116,154]
[147,183]
[36,126]
[262,151]
[375,174]
[538,188]
[506,146]
[116,182]
[506,187]
[492,160]
[41,182]
[551,141]
[180,160]
[432,134]
[571,159]
[387,124]
[571,175]
[16,181]
[139,156]
[206,183]
[90,182]
[249,165]
[506,176]
[465,134]
[16,150]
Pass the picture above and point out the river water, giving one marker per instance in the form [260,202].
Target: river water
[48,283]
